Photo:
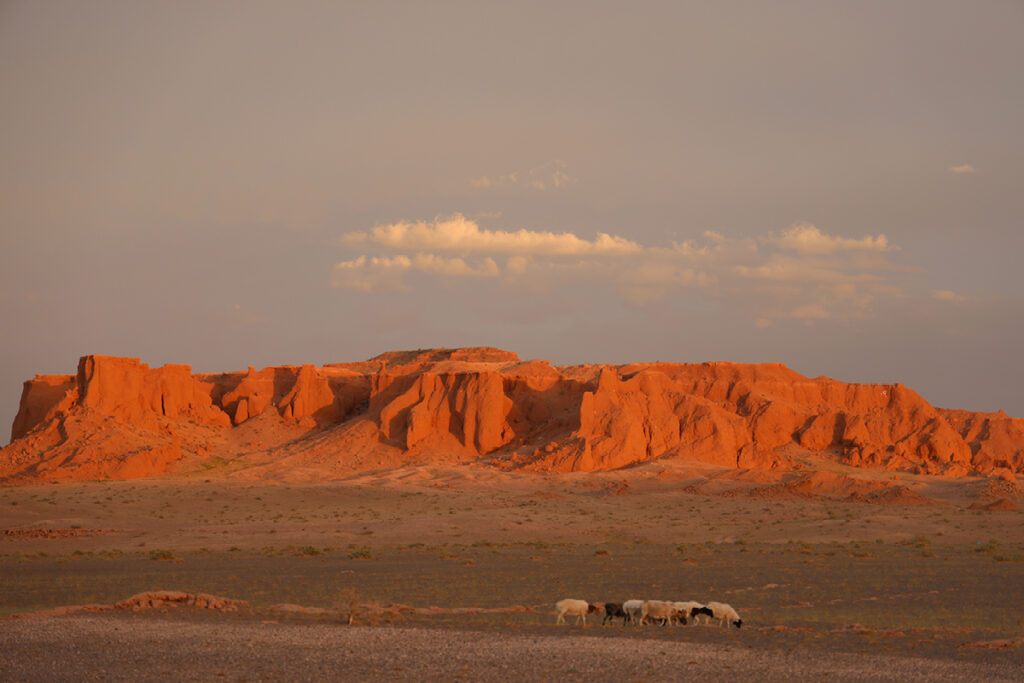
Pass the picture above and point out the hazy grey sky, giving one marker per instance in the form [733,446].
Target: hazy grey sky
[835,186]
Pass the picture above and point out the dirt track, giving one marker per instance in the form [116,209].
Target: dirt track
[133,647]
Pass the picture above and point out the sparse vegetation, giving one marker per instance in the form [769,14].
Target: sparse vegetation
[363,553]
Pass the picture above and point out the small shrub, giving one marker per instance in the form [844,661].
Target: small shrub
[1017,557]
[351,607]
[991,547]
[920,541]
[347,604]
[363,553]
[161,555]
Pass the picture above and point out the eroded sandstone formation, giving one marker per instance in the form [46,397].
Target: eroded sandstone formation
[119,418]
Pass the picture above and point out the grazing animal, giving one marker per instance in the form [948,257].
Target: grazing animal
[612,610]
[577,608]
[693,610]
[703,609]
[684,609]
[663,611]
[725,614]
[633,610]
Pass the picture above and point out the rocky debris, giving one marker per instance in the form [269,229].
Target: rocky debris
[617,488]
[163,598]
[897,495]
[146,600]
[119,419]
[13,534]
[1004,504]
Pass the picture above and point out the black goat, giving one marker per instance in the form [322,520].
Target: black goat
[612,610]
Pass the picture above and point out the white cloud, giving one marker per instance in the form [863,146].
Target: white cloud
[367,274]
[803,274]
[962,168]
[947,295]
[548,176]
[431,263]
[650,281]
[804,238]
[786,269]
[516,265]
[809,312]
[462,235]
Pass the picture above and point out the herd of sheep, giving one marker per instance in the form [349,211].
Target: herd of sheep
[639,612]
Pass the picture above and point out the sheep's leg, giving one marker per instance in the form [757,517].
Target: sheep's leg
[560,619]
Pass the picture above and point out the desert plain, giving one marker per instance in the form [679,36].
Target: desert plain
[453,572]
[418,519]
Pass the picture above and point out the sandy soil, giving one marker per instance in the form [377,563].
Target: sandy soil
[127,647]
[462,505]
[826,586]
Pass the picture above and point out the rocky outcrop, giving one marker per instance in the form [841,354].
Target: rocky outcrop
[40,399]
[119,418]
[128,390]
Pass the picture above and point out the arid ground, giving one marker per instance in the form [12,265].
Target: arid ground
[923,587]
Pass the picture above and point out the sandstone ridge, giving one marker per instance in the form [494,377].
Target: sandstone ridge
[117,418]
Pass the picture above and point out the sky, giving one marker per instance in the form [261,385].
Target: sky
[837,186]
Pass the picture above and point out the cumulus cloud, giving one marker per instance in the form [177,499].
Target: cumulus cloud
[809,312]
[801,274]
[807,239]
[650,281]
[462,235]
[947,295]
[487,183]
[548,176]
[516,265]
[439,265]
[367,274]
[961,169]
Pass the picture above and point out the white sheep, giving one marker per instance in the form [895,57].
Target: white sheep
[634,608]
[578,608]
[725,614]
[693,610]
[659,609]
[684,609]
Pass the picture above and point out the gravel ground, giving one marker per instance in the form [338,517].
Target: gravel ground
[130,647]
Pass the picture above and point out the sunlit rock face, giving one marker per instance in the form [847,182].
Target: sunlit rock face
[118,418]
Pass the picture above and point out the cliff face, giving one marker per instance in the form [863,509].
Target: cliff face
[118,418]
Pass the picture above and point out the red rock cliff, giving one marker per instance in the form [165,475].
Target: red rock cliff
[119,418]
